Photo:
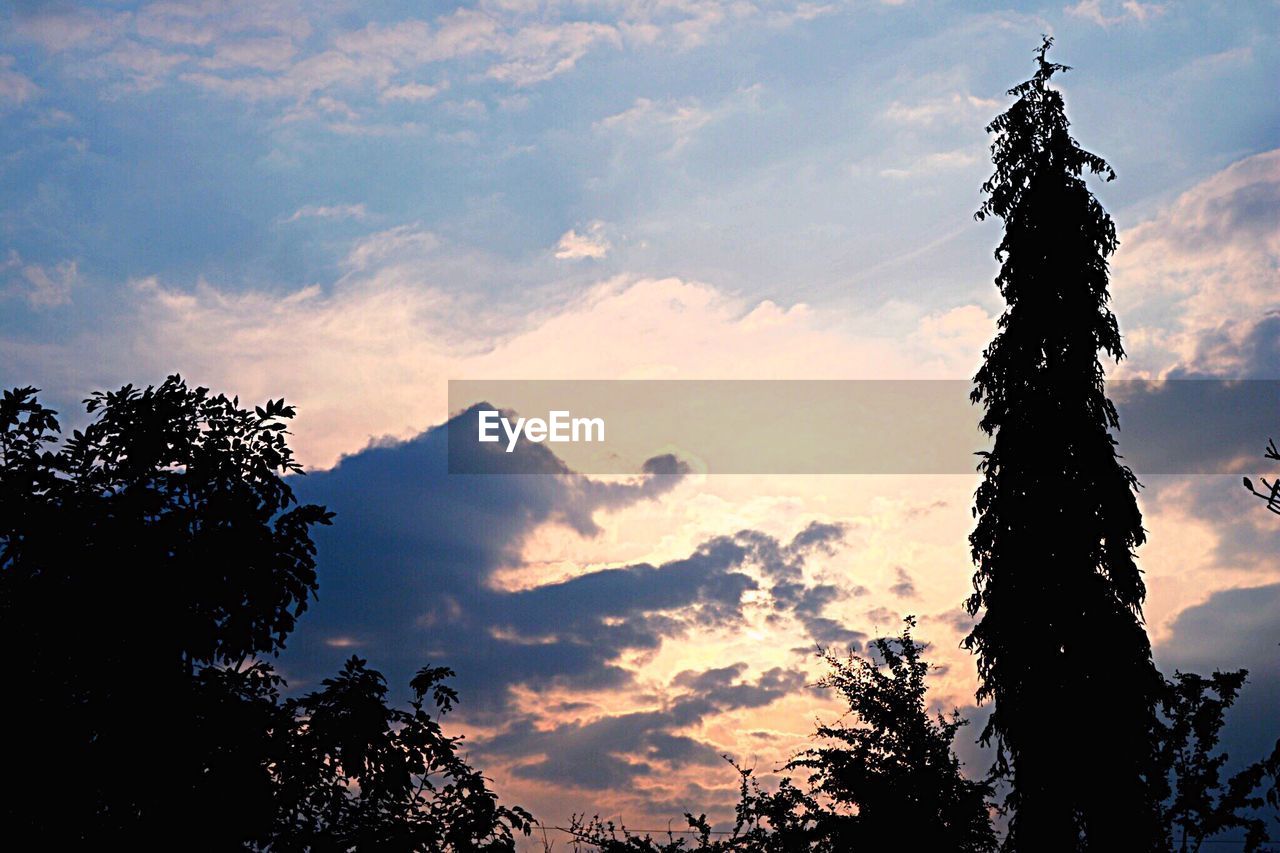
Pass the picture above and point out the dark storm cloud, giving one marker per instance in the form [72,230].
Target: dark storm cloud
[828,632]
[613,751]
[1197,424]
[1234,629]
[405,571]
[807,604]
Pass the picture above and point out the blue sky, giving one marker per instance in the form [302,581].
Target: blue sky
[349,204]
[844,142]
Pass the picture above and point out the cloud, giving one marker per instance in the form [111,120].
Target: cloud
[669,125]
[413,92]
[1196,282]
[208,22]
[396,244]
[674,123]
[409,575]
[143,67]
[958,335]
[539,52]
[290,55]
[40,285]
[369,355]
[612,751]
[15,88]
[931,163]
[1129,10]
[556,673]
[274,53]
[330,211]
[592,243]
[59,28]
[958,108]
[905,586]
[1237,628]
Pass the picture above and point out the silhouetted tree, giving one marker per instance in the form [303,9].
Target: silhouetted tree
[160,540]
[147,564]
[783,821]
[355,774]
[887,780]
[1061,647]
[1270,492]
[893,775]
[1203,805]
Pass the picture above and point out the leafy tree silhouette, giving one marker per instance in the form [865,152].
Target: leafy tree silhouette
[147,565]
[354,774]
[888,780]
[1270,493]
[895,771]
[1195,708]
[1061,647]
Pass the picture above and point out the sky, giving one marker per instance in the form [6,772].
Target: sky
[347,205]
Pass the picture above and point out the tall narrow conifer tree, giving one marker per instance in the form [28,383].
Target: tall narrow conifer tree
[1062,651]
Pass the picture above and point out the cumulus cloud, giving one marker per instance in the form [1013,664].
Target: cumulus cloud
[591,243]
[1196,282]
[369,355]
[557,673]
[612,751]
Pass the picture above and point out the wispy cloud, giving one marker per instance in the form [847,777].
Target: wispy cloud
[677,121]
[330,211]
[1129,10]
[956,108]
[931,163]
[414,92]
[15,88]
[539,52]
[271,53]
[670,124]
[40,285]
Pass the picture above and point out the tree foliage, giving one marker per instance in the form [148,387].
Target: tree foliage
[894,770]
[1062,652]
[148,564]
[885,778]
[1270,493]
[1203,803]
[352,773]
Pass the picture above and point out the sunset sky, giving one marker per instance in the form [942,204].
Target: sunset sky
[348,205]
